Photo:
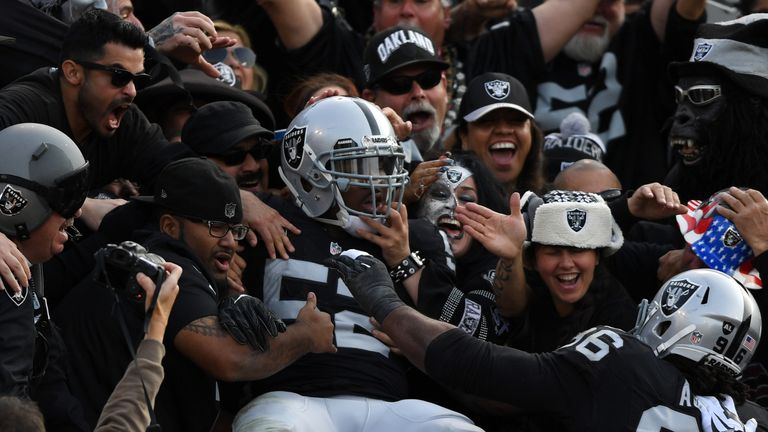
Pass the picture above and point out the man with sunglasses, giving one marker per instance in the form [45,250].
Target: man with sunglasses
[42,187]
[194,219]
[229,134]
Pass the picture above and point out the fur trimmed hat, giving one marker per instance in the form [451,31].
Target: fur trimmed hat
[573,219]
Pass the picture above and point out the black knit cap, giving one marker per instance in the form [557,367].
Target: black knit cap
[198,188]
[738,49]
[397,47]
[218,126]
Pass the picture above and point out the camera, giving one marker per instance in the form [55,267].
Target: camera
[117,266]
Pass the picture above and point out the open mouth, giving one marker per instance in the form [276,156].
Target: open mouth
[420,119]
[687,149]
[451,227]
[568,280]
[249,181]
[116,115]
[503,153]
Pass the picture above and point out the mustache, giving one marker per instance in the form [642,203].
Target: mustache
[418,106]
[248,177]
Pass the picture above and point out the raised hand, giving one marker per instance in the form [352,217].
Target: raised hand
[318,325]
[655,201]
[749,212]
[502,235]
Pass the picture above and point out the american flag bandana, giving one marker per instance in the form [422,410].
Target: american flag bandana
[717,242]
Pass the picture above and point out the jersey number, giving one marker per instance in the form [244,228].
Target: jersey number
[598,344]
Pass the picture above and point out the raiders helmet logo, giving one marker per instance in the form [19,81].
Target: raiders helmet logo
[497,89]
[12,202]
[19,297]
[728,327]
[229,210]
[293,146]
[731,238]
[676,295]
[702,49]
[453,176]
[576,219]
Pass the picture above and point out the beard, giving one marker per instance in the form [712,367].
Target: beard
[425,139]
[588,48]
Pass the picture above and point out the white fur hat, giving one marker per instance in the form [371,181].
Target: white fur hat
[574,219]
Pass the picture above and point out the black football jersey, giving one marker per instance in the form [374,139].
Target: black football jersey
[362,366]
[604,380]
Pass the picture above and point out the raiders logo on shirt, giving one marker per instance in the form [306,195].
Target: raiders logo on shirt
[293,146]
[19,297]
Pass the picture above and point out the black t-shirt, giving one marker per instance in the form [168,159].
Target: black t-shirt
[540,328]
[137,151]
[17,340]
[99,354]
[627,93]
[362,366]
[604,380]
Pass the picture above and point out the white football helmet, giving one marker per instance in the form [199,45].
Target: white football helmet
[703,315]
[338,143]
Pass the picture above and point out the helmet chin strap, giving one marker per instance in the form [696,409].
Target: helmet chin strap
[671,341]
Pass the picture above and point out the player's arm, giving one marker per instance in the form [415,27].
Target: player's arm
[502,235]
[210,347]
[296,21]
[558,20]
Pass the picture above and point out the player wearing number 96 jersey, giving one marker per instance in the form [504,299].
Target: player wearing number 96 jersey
[344,167]
[676,372]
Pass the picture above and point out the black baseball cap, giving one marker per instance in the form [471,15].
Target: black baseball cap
[218,126]
[491,91]
[197,188]
[395,48]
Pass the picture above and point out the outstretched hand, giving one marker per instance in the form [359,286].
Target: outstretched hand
[655,201]
[369,281]
[249,321]
[502,235]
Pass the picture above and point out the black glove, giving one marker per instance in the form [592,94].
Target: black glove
[370,283]
[248,321]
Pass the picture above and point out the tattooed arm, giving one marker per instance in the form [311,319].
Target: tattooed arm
[502,235]
[206,343]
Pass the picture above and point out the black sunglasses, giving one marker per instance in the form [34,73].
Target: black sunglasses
[245,56]
[610,195]
[120,77]
[236,157]
[401,84]
[219,229]
[65,198]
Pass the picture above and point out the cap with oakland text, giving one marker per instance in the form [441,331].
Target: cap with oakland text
[491,91]
[395,48]
[737,49]
[196,187]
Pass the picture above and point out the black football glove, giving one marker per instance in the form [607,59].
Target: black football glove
[370,283]
[249,321]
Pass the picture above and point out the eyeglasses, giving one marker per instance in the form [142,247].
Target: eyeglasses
[402,84]
[120,77]
[609,195]
[245,56]
[236,157]
[65,197]
[220,229]
[698,95]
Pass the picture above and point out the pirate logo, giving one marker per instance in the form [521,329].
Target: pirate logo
[702,49]
[576,219]
[497,89]
[453,176]
[293,146]
[226,74]
[728,327]
[696,338]
[731,238]
[676,294]
[335,248]
[11,201]
[229,210]
[19,297]
[490,276]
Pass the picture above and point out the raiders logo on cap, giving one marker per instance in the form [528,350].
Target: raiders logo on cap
[576,219]
[497,89]
[19,297]
[702,49]
[731,238]
[229,210]
[12,202]
[676,294]
[293,146]
[453,176]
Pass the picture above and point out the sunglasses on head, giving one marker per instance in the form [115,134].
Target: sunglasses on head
[65,197]
[401,84]
[120,77]
[245,56]
[236,157]
[698,94]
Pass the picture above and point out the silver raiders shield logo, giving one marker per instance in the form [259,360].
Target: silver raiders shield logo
[12,202]
[293,146]
[576,219]
[677,293]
